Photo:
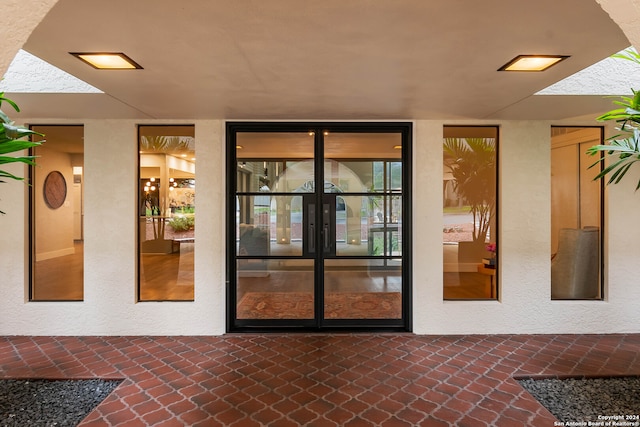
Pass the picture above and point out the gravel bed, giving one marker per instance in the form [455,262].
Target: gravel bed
[50,402]
[574,401]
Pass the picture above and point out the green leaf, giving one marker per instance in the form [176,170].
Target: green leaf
[18,145]
[622,169]
[4,117]
[11,142]
[17,132]
[5,174]
[8,101]
[628,54]
[30,160]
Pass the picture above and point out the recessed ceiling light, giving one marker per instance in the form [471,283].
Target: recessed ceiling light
[397,147]
[107,60]
[532,62]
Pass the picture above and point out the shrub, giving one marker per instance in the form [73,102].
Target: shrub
[182,223]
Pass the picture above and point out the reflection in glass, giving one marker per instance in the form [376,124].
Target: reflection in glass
[289,216]
[369,225]
[269,221]
[363,289]
[275,289]
[167,213]
[57,233]
[269,225]
[469,217]
[576,215]
[275,162]
[362,145]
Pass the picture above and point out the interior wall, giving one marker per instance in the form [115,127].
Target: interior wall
[575,195]
[565,191]
[54,235]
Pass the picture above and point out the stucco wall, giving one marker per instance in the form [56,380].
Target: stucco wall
[20,17]
[524,215]
[525,306]
[625,13]
[109,306]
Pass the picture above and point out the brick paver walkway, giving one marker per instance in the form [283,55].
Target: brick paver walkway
[320,380]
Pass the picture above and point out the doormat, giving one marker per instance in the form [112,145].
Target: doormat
[39,402]
[338,305]
[611,401]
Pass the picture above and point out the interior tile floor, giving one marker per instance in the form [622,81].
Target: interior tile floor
[320,379]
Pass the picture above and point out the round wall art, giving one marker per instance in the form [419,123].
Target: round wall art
[55,190]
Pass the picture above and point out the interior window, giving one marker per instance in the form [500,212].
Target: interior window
[576,215]
[167,212]
[469,231]
[57,262]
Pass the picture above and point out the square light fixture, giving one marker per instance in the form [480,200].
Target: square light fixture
[532,62]
[107,60]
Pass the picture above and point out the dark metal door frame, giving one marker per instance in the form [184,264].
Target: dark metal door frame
[319,227]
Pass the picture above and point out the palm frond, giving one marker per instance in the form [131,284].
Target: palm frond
[12,141]
[619,155]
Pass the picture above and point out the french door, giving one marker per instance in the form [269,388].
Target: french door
[318,221]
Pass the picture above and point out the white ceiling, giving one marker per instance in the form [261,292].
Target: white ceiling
[321,59]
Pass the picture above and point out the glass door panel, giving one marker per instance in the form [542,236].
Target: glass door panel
[269,225]
[317,225]
[275,289]
[363,185]
[275,180]
[362,289]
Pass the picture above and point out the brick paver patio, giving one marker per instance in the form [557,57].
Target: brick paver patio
[320,380]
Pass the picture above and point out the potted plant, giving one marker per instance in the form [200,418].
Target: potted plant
[155,211]
[155,216]
[472,163]
[11,142]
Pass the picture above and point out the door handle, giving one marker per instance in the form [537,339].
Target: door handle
[312,238]
[326,221]
[325,238]
[311,229]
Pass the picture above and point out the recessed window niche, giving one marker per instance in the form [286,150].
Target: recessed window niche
[470,215]
[577,212]
[57,209]
[166,212]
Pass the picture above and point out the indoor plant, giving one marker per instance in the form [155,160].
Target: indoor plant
[472,162]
